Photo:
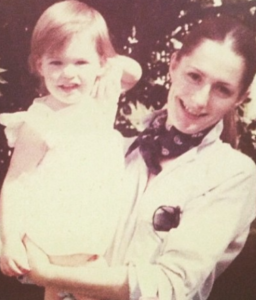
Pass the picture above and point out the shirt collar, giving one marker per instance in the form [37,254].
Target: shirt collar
[213,135]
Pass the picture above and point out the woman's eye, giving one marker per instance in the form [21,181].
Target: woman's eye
[223,91]
[194,77]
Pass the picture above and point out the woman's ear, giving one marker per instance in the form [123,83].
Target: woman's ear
[242,98]
[173,63]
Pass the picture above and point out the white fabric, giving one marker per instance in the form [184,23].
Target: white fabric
[214,185]
[72,197]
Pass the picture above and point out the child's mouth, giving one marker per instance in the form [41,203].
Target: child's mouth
[69,88]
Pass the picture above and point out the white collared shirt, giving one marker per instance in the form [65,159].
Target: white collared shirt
[214,186]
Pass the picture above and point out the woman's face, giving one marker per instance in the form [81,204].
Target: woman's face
[206,84]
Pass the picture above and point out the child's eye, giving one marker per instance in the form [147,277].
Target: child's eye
[55,63]
[81,62]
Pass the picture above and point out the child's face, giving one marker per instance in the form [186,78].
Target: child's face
[69,75]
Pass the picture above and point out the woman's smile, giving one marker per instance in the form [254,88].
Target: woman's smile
[200,95]
[191,112]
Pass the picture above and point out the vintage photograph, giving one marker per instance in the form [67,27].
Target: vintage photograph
[127,150]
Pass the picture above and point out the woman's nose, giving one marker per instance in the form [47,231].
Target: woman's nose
[201,96]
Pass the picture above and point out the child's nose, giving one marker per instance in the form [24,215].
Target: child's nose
[69,70]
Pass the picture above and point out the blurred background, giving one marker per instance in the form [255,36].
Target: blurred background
[148,31]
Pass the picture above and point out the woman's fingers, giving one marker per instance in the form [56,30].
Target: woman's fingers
[23,265]
[10,268]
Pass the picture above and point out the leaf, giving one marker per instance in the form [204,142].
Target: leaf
[138,114]
[2,81]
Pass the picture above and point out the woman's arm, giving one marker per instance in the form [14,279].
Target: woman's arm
[94,280]
[29,151]
[189,255]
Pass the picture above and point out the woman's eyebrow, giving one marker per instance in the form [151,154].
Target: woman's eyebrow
[226,84]
[221,82]
[196,69]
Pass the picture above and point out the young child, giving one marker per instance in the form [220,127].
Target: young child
[62,185]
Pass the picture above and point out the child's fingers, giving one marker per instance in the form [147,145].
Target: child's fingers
[101,89]
[115,90]
[95,88]
[108,85]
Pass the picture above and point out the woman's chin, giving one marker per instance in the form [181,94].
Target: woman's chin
[188,128]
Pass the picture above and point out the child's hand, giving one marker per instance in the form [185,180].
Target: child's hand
[108,85]
[14,260]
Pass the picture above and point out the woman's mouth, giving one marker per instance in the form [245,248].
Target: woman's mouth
[190,111]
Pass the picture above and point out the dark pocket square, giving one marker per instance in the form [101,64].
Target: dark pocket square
[166,218]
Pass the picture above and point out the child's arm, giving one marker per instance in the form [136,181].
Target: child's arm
[29,151]
[120,73]
[131,71]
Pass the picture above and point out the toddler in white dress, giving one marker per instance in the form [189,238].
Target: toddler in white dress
[62,185]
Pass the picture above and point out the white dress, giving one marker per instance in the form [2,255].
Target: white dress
[72,198]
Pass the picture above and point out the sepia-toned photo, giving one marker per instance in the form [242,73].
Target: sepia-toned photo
[127,150]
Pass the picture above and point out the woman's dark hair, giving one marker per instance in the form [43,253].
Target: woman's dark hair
[221,29]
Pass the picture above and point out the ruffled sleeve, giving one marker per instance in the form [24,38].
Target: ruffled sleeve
[12,123]
[37,117]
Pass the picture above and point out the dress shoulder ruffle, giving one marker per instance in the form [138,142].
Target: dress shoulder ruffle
[37,117]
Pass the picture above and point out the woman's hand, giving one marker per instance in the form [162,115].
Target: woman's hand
[39,263]
[14,260]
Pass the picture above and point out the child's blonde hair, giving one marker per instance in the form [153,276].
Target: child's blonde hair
[60,22]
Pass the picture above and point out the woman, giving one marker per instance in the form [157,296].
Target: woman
[190,196]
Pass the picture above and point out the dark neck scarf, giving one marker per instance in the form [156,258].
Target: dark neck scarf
[156,142]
